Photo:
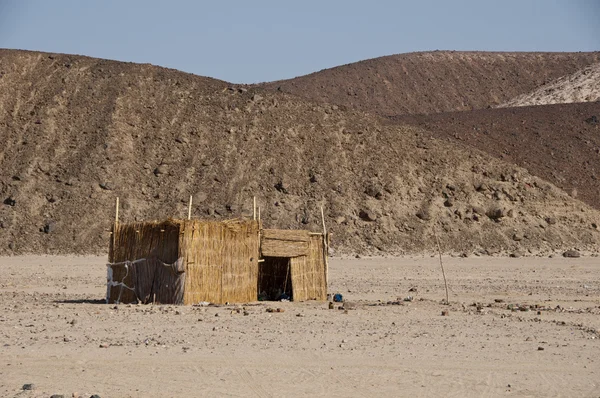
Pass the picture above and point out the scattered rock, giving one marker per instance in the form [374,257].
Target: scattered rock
[282,186]
[424,214]
[449,202]
[161,169]
[257,97]
[551,220]
[57,396]
[340,219]
[495,213]
[540,348]
[571,254]
[517,237]
[367,215]
[374,192]
[28,387]
[445,313]
[10,201]
[593,120]
[106,186]
[49,227]
[478,210]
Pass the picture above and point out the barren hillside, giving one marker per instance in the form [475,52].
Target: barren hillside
[433,82]
[581,86]
[559,143]
[79,131]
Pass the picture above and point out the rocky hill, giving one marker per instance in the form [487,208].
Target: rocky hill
[78,132]
[559,143]
[581,86]
[433,82]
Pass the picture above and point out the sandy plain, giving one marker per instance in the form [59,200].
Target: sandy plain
[523,327]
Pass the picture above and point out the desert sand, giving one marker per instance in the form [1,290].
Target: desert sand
[516,327]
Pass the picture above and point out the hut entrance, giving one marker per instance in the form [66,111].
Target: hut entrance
[275,279]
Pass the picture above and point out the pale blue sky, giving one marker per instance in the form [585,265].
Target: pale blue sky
[262,40]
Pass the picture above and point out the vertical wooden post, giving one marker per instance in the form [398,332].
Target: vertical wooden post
[254,209]
[111,251]
[117,211]
[325,248]
[259,214]
[190,209]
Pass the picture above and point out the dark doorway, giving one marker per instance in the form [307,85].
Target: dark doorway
[274,279]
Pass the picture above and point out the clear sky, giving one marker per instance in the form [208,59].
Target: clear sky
[249,41]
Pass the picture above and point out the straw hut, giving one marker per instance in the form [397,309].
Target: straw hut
[192,261]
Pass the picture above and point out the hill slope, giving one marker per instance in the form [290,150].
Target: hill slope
[581,86]
[80,131]
[559,143]
[433,82]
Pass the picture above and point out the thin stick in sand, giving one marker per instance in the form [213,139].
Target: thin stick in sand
[437,240]
[325,248]
[190,209]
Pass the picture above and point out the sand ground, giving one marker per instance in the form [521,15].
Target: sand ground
[56,332]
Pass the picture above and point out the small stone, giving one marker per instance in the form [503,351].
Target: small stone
[449,202]
[49,227]
[106,186]
[571,254]
[28,386]
[495,213]
[161,169]
[540,348]
[104,345]
[367,215]
[10,201]
[445,313]
[57,396]
[424,214]
[330,306]
[95,396]
[246,313]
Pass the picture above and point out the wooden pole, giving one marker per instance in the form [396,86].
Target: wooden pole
[254,209]
[117,211]
[325,248]
[437,240]
[258,213]
[190,209]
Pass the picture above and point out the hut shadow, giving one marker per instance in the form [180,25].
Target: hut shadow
[81,301]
